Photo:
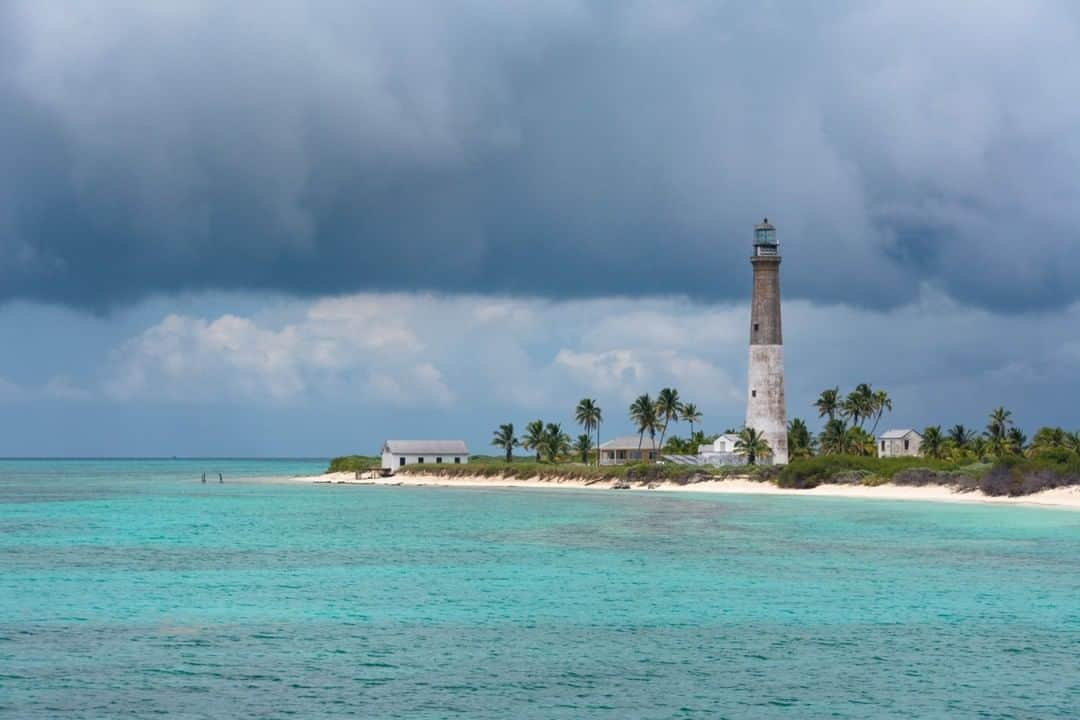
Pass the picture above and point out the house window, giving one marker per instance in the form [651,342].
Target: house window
[438,460]
[907,444]
[457,461]
[401,462]
[420,460]
[882,446]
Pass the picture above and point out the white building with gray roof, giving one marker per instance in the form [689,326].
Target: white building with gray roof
[628,449]
[899,443]
[721,451]
[399,453]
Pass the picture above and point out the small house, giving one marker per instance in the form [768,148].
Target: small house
[899,443]
[628,449]
[721,451]
[399,453]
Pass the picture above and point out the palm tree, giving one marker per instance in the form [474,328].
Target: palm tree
[1048,438]
[978,447]
[589,416]
[960,436]
[1016,440]
[554,442]
[828,403]
[668,408]
[678,446]
[1000,420]
[533,438]
[997,445]
[583,446]
[752,444]
[643,414]
[881,403]
[933,442]
[833,438]
[1072,442]
[800,442]
[691,414]
[859,404]
[504,438]
[858,442]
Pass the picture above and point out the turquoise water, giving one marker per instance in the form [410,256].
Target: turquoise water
[129,589]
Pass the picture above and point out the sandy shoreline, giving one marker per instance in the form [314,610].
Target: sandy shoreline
[1068,498]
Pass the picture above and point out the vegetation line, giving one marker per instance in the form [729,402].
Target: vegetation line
[999,461]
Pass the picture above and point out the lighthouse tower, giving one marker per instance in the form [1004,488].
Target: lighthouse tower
[765,390]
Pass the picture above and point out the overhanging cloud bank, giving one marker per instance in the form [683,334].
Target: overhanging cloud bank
[555,149]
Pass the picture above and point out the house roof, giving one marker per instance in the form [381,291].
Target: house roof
[731,438]
[682,459]
[898,434]
[627,442]
[426,447]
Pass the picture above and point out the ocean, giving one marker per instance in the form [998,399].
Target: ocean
[129,589]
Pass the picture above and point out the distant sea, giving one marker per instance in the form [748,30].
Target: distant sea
[130,589]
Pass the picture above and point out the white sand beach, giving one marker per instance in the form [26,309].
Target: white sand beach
[1068,497]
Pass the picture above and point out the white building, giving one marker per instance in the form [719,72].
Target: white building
[398,453]
[899,443]
[627,449]
[721,451]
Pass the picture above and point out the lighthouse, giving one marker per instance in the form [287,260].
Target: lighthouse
[765,411]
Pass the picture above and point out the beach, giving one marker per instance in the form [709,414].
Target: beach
[1066,497]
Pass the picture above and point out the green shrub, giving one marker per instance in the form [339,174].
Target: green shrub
[1058,456]
[1017,475]
[811,472]
[1013,475]
[814,471]
[352,463]
[874,481]
[639,473]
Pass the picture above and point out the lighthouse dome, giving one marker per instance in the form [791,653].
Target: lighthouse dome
[764,233]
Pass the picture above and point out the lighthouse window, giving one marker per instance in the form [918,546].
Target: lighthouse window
[753,393]
[755,327]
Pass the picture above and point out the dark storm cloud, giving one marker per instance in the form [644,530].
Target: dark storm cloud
[538,148]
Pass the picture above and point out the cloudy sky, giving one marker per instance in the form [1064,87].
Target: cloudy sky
[294,228]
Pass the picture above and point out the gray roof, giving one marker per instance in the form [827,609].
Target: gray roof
[426,447]
[897,434]
[682,459]
[627,442]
